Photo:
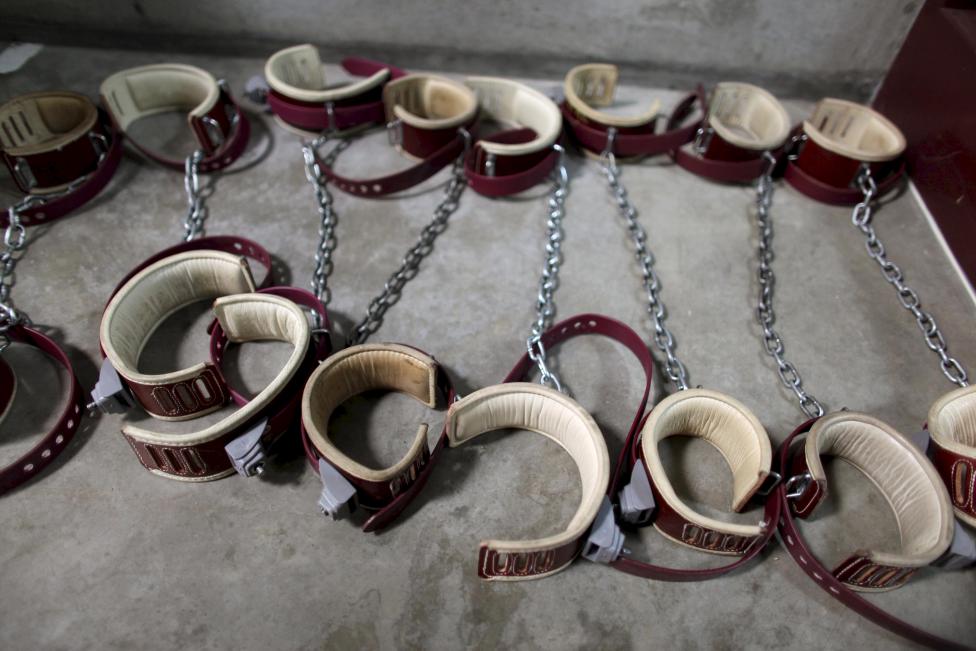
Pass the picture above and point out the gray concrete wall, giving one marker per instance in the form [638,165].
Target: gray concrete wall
[793,47]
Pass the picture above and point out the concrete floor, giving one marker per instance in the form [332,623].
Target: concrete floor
[98,553]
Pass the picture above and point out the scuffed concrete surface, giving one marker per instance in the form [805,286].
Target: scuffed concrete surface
[98,553]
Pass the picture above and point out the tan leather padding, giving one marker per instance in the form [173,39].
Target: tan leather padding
[139,92]
[854,130]
[429,102]
[731,428]
[247,317]
[593,85]
[521,405]
[748,116]
[38,122]
[357,369]
[900,471]
[156,292]
[516,105]
[952,421]
[298,73]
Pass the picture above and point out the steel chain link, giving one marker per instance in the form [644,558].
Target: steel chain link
[411,261]
[663,338]
[765,315]
[549,281]
[196,197]
[934,339]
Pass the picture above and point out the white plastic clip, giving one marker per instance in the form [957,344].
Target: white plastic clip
[606,541]
[636,499]
[247,452]
[338,497]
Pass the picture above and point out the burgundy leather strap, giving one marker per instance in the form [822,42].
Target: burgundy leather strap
[235,130]
[388,499]
[54,442]
[637,141]
[958,473]
[80,159]
[512,174]
[492,563]
[823,577]
[829,177]
[363,109]
[447,145]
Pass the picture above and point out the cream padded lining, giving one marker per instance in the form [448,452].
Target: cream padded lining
[748,116]
[952,421]
[900,471]
[139,92]
[730,427]
[247,317]
[298,73]
[38,122]
[156,292]
[358,369]
[594,84]
[514,104]
[429,102]
[854,130]
[522,405]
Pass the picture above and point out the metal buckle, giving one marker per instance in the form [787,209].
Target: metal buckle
[99,143]
[213,131]
[637,503]
[797,485]
[394,132]
[796,146]
[605,543]
[247,452]
[771,481]
[25,177]
[110,395]
[330,112]
[703,138]
[489,164]
[338,497]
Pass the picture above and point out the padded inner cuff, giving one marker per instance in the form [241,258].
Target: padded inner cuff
[900,471]
[38,122]
[748,116]
[512,103]
[854,130]
[297,72]
[156,292]
[358,369]
[522,405]
[594,84]
[728,425]
[429,102]
[952,421]
[273,319]
[139,92]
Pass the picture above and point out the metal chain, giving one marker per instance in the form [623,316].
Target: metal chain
[195,196]
[663,338]
[861,217]
[549,281]
[765,315]
[411,261]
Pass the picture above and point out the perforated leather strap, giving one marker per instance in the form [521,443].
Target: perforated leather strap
[56,440]
[387,492]
[742,122]
[299,95]
[219,125]
[426,117]
[512,161]
[797,548]
[57,144]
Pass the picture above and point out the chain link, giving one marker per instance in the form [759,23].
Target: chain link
[544,305]
[196,197]
[411,261]
[765,315]
[663,338]
[861,218]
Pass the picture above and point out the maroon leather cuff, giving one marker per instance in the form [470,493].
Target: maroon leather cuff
[958,472]
[366,108]
[55,441]
[509,174]
[829,177]
[637,141]
[715,158]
